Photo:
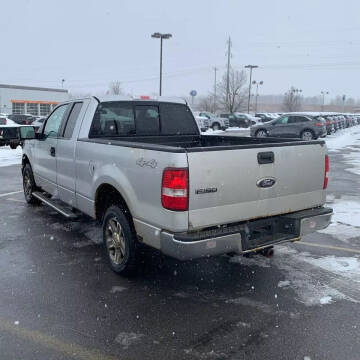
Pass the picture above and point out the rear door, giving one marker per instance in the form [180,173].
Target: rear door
[225,185]
[44,166]
[278,127]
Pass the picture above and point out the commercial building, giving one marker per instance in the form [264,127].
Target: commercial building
[15,99]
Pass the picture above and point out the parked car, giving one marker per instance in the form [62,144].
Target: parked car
[38,123]
[150,177]
[215,122]
[265,117]
[9,133]
[305,127]
[22,119]
[240,120]
[202,122]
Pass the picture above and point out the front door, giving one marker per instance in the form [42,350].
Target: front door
[45,152]
[278,127]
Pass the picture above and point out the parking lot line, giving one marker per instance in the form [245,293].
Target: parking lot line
[11,193]
[328,247]
[71,350]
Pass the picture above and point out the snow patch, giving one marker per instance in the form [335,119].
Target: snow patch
[116,289]
[9,156]
[284,283]
[326,300]
[126,339]
[347,137]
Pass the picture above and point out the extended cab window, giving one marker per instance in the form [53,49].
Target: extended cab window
[53,123]
[70,124]
[113,118]
[147,120]
[176,119]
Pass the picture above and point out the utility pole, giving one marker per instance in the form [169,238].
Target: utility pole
[323,93]
[160,36]
[343,100]
[228,72]
[215,70]
[251,67]
[62,83]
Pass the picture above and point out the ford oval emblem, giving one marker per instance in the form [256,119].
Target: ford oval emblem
[266,182]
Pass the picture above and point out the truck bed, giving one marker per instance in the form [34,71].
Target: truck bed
[192,143]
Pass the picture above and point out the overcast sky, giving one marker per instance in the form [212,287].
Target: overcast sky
[310,44]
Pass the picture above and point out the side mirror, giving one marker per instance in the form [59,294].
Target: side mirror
[27,133]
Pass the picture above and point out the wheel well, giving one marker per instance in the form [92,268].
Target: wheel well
[263,129]
[215,123]
[307,129]
[106,196]
[24,162]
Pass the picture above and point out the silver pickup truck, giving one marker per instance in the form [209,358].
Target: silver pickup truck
[142,168]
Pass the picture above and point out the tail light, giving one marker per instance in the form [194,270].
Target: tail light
[327,168]
[175,189]
[319,124]
[328,122]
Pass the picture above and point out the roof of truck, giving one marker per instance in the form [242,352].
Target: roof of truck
[144,98]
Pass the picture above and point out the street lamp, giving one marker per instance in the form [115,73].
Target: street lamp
[251,67]
[62,82]
[323,93]
[257,92]
[160,36]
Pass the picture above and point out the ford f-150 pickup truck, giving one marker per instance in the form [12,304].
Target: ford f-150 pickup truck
[143,169]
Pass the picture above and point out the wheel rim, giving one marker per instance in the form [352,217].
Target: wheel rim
[261,133]
[216,127]
[307,135]
[115,241]
[27,185]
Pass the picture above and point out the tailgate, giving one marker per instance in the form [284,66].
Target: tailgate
[230,185]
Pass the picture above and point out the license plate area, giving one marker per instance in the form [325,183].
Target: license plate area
[269,231]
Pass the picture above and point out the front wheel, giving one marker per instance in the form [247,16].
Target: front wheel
[29,186]
[261,134]
[119,241]
[307,135]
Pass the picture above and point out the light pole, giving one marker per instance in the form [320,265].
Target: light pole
[62,83]
[257,92]
[160,36]
[251,67]
[323,93]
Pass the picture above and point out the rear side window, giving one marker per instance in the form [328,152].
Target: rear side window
[71,122]
[113,118]
[176,119]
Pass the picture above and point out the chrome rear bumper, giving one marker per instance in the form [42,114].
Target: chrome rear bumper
[245,237]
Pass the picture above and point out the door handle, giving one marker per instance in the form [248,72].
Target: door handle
[266,157]
[52,151]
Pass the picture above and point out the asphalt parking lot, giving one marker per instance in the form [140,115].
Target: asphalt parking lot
[60,300]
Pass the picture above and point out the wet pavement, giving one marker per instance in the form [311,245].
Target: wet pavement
[60,300]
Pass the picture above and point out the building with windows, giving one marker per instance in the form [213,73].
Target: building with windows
[15,99]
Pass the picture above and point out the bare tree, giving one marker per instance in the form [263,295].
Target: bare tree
[115,88]
[237,92]
[206,103]
[292,100]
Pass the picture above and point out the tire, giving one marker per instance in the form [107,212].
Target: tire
[216,126]
[261,133]
[29,186]
[307,135]
[119,239]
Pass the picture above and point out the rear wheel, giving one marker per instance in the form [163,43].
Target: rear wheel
[29,186]
[307,135]
[120,241]
[261,133]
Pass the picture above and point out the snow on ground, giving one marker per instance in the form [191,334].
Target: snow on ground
[343,139]
[9,156]
[312,278]
[345,223]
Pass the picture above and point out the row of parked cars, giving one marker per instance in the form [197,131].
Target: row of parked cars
[304,125]
[207,120]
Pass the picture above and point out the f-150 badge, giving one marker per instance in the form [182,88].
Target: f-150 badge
[142,162]
[205,191]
